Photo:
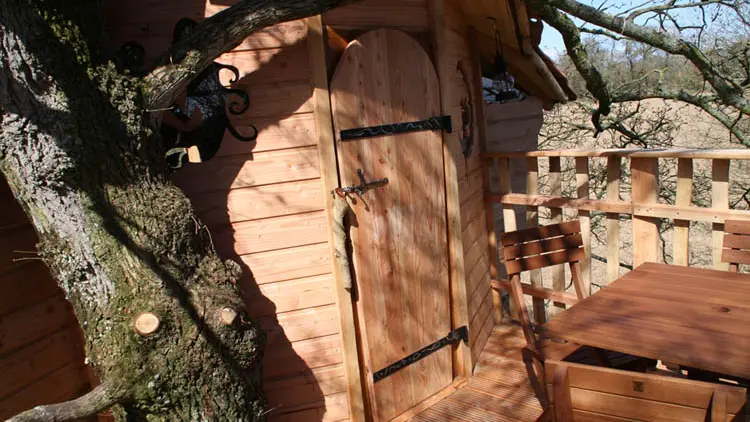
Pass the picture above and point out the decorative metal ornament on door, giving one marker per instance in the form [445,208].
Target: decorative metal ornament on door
[195,142]
[467,114]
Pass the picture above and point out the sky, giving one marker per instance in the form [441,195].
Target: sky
[552,43]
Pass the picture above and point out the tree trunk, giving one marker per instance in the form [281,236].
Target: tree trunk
[121,240]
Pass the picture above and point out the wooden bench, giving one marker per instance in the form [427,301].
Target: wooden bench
[585,393]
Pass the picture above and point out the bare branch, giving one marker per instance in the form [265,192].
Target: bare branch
[670,6]
[100,398]
[702,102]
[595,83]
[599,31]
[730,92]
[218,34]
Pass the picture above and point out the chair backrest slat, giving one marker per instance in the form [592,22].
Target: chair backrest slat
[737,227]
[584,390]
[736,243]
[552,244]
[540,247]
[516,266]
[541,232]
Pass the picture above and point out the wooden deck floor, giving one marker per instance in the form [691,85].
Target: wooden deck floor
[498,391]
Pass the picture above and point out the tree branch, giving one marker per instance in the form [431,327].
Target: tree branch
[599,31]
[730,93]
[702,102]
[571,35]
[220,33]
[666,7]
[100,398]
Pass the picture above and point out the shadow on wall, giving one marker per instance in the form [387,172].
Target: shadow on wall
[223,190]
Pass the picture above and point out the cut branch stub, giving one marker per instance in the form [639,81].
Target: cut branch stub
[146,323]
[228,316]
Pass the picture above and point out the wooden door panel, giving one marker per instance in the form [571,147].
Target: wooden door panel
[399,241]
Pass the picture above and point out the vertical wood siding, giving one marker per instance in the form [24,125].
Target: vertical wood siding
[470,181]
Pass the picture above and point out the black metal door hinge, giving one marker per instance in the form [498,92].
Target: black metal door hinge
[459,334]
[433,123]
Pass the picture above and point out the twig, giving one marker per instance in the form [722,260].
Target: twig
[100,398]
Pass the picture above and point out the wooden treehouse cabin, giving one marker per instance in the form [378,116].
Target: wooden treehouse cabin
[387,105]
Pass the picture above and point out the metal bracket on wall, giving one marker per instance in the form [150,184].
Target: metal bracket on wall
[459,334]
[433,123]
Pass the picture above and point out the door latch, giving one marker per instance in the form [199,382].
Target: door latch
[363,185]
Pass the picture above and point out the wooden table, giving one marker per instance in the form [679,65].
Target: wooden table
[690,316]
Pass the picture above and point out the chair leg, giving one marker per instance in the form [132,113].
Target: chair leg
[535,371]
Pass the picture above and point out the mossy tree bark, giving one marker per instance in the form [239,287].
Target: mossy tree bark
[78,150]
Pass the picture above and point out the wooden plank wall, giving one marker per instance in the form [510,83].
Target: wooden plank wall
[263,204]
[470,180]
[406,15]
[514,126]
[41,353]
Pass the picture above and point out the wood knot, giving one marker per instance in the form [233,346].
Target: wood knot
[146,323]
[724,309]
[227,316]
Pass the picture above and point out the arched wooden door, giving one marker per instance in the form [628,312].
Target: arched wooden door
[399,239]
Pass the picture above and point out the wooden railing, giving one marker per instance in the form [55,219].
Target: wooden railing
[641,202]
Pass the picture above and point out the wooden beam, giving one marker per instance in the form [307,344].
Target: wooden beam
[644,179]
[719,201]
[654,210]
[509,214]
[557,202]
[582,191]
[711,154]
[684,196]
[532,220]
[556,217]
[541,293]
[489,208]
[710,215]
[613,219]
[330,178]
[462,362]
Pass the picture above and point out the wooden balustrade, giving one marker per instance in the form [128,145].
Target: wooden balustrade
[641,201]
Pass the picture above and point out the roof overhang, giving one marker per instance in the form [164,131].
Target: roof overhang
[520,36]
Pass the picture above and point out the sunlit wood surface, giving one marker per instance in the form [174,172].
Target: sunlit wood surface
[499,390]
[690,316]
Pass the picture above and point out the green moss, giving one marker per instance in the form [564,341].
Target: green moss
[125,96]
[75,24]
[160,259]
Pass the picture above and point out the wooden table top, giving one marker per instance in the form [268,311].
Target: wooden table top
[690,316]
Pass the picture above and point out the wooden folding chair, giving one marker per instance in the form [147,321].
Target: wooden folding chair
[589,393]
[736,244]
[540,247]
